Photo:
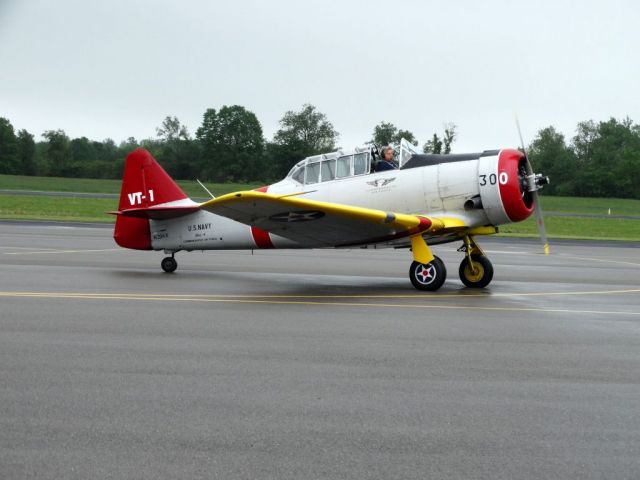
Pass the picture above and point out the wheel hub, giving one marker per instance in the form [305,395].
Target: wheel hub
[474,276]
[426,273]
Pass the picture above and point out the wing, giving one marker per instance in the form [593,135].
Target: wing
[319,224]
[323,224]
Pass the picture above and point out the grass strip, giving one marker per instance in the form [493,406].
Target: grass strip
[30,207]
[92,185]
[578,205]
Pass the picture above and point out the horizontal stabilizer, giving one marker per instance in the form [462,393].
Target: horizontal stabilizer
[157,213]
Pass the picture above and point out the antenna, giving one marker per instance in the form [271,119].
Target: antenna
[205,188]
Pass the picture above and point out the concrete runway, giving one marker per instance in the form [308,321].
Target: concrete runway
[314,364]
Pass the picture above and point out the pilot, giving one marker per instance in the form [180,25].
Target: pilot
[386,162]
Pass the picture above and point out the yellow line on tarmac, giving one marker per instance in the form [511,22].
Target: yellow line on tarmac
[44,250]
[425,296]
[187,298]
[60,251]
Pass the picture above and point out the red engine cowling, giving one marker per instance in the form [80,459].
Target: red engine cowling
[503,188]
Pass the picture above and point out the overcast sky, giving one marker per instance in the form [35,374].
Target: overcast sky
[114,69]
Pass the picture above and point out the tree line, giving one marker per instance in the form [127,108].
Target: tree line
[602,159]
[229,146]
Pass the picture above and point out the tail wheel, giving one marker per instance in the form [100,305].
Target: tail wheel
[169,264]
[482,275]
[429,276]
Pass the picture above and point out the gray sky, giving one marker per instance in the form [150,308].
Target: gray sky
[116,68]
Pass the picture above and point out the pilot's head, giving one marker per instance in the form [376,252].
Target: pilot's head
[387,154]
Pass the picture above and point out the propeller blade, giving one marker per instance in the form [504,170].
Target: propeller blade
[534,195]
[540,223]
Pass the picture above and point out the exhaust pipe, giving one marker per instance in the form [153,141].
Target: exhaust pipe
[473,203]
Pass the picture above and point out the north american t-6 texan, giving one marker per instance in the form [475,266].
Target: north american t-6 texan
[341,199]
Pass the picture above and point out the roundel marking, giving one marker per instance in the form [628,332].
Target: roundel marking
[297,216]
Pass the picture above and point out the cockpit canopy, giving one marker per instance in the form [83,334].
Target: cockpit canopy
[343,164]
[331,166]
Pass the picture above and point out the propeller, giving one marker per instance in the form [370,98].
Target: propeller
[531,183]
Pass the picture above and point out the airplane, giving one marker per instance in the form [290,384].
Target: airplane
[340,200]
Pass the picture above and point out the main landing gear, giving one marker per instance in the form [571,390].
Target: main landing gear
[476,271]
[428,276]
[169,264]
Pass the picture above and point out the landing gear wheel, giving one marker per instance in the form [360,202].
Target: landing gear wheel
[169,264]
[483,271]
[429,276]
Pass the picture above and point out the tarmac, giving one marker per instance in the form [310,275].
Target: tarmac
[315,363]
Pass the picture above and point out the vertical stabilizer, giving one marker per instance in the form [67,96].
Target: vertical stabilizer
[144,184]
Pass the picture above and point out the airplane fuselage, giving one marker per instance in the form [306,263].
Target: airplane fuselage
[470,190]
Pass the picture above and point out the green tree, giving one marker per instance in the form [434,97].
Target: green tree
[232,145]
[92,159]
[171,130]
[42,165]
[433,146]
[442,145]
[106,151]
[384,133]
[26,153]
[586,133]
[628,167]
[153,145]
[57,152]
[9,162]
[450,134]
[387,134]
[208,135]
[175,151]
[307,129]
[301,134]
[407,135]
[549,154]
[608,158]
[82,150]
[125,148]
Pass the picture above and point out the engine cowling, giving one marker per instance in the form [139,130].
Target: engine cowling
[503,187]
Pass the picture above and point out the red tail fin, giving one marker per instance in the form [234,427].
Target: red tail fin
[144,184]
